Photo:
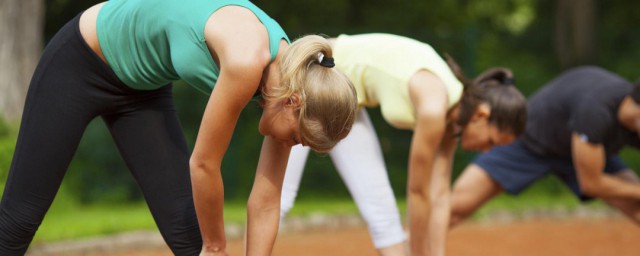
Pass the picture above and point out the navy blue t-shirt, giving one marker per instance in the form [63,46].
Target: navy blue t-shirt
[584,100]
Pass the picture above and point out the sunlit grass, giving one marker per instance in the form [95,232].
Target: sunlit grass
[75,221]
[548,197]
[69,220]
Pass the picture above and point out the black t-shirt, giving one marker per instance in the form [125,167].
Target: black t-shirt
[584,100]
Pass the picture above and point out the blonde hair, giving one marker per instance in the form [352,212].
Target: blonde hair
[328,98]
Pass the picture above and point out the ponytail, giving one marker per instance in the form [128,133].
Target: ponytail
[328,98]
[495,87]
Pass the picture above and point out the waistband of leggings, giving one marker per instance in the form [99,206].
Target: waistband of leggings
[104,69]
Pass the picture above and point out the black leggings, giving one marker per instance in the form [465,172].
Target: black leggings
[70,87]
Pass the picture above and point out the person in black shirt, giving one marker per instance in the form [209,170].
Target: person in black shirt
[576,125]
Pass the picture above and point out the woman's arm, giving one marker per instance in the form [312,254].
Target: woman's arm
[216,129]
[440,194]
[429,98]
[242,58]
[263,208]
[218,122]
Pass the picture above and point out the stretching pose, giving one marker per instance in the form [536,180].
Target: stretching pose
[415,90]
[117,60]
[577,124]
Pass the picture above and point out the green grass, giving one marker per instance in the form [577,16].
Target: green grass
[330,206]
[548,195]
[68,219]
[76,221]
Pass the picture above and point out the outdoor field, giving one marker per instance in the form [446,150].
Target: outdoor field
[120,118]
[610,235]
[537,222]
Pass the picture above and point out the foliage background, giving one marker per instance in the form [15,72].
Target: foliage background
[519,34]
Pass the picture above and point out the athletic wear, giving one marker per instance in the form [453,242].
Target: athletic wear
[583,100]
[359,161]
[380,67]
[70,87]
[635,94]
[515,167]
[151,43]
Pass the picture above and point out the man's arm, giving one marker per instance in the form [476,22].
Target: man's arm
[589,161]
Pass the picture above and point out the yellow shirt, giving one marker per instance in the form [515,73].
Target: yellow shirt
[380,67]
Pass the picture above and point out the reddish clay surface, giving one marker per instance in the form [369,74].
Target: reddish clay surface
[615,236]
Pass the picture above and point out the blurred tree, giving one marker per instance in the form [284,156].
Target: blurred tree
[519,34]
[617,44]
[20,45]
[575,32]
[59,12]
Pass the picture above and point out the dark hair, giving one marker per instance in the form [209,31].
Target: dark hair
[495,87]
[635,93]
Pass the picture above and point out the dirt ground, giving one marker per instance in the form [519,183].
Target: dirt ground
[616,236]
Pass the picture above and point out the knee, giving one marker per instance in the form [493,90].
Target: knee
[179,227]
[459,212]
[16,232]
[456,218]
[185,240]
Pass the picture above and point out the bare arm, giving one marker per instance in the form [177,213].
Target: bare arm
[589,160]
[242,64]
[263,209]
[216,129]
[430,100]
[440,194]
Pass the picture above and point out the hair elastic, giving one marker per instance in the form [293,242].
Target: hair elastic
[325,61]
[508,81]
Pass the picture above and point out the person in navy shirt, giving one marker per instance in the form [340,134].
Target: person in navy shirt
[576,126]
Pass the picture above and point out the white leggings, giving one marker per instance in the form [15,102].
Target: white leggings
[358,159]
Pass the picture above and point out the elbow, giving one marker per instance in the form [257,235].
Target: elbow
[196,165]
[255,205]
[199,165]
[418,181]
[418,192]
[591,187]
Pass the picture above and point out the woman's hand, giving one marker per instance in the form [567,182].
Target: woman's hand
[239,42]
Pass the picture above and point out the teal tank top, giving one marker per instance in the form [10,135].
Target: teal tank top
[149,44]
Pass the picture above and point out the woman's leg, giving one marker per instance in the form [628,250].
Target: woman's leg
[150,139]
[47,141]
[292,177]
[57,110]
[359,161]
